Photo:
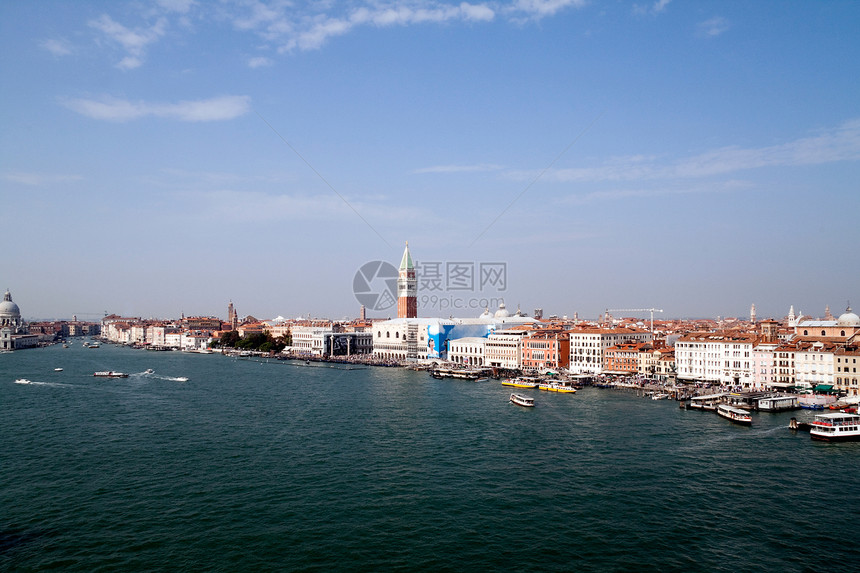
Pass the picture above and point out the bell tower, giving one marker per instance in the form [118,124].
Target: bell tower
[407,287]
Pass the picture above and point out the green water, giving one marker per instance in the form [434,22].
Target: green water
[250,466]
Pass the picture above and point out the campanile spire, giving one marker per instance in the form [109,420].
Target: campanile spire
[407,287]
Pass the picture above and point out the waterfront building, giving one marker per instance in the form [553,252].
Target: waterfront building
[719,357]
[588,345]
[847,376]
[407,287]
[624,358]
[666,369]
[814,363]
[311,338]
[469,350]
[783,361]
[542,350]
[649,357]
[14,333]
[429,338]
[763,365]
[504,348]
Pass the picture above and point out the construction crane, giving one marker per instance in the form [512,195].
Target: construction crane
[651,310]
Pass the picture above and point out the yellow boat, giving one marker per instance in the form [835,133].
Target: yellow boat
[556,387]
[521,382]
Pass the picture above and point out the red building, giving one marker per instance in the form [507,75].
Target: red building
[407,287]
[546,350]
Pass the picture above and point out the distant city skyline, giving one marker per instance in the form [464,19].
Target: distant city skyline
[168,156]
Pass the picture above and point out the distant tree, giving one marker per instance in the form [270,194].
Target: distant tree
[229,339]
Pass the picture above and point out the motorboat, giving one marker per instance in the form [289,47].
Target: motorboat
[736,415]
[521,400]
[110,374]
[835,427]
[58,369]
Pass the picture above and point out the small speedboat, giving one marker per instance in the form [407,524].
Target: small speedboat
[148,371]
[58,369]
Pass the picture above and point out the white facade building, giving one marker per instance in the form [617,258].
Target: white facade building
[814,364]
[716,357]
[310,339]
[504,349]
[469,351]
[587,346]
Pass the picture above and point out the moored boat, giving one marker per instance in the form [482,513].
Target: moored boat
[557,387]
[521,400]
[736,415]
[521,382]
[835,427]
[110,374]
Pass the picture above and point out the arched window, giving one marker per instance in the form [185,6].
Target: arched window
[805,333]
[823,333]
[387,335]
[841,333]
[396,335]
[378,334]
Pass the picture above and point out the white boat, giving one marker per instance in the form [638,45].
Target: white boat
[22,381]
[110,374]
[835,427]
[148,371]
[660,396]
[521,400]
[58,369]
[736,415]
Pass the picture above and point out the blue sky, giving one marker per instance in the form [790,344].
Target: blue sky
[159,157]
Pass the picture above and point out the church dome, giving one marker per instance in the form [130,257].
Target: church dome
[848,319]
[502,312]
[9,309]
[486,313]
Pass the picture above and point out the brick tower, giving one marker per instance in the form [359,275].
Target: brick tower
[407,287]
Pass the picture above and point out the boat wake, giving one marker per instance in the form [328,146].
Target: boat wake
[33,383]
[167,378]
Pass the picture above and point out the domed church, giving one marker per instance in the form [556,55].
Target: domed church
[13,330]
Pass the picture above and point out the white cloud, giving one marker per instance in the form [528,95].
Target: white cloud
[179,6]
[838,144]
[541,8]
[655,8]
[288,25]
[38,179]
[320,28]
[458,168]
[114,109]
[132,41]
[259,62]
[713,27]
[57,47]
